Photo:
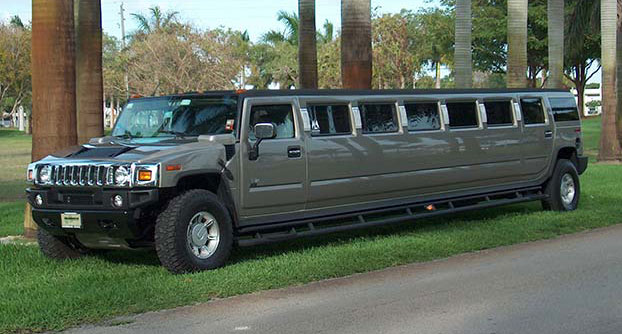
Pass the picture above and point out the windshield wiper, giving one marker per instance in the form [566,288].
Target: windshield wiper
[177,134]
[126,135]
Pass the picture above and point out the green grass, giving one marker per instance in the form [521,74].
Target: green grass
[11,218]
[14,158]
[591,137]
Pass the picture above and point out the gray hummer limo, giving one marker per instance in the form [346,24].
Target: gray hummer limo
[192,175]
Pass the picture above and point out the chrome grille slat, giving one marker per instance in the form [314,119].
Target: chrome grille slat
[85,174]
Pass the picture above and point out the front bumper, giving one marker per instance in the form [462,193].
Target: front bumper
[581,164]
[103,226]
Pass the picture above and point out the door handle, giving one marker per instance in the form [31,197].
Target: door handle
[294,152]
[548,134]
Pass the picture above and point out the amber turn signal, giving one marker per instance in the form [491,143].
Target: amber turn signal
[144,175]
[171,168]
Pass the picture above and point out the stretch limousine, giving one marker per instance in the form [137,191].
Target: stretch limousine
[193,174]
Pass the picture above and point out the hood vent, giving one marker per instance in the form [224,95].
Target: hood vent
[101,152]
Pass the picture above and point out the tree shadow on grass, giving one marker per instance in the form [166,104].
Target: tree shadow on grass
[441,223]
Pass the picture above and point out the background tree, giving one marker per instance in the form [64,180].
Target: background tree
[393,63]
[356,51]
[430,32]
[89,79]
[556,43]
[15,78]
[582,45]
[517,42]
[463,55]
[307,45]
[156,21]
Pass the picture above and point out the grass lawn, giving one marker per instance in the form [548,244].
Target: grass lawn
[37,294]
[14,158]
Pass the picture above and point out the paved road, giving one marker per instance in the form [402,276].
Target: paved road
[568,285]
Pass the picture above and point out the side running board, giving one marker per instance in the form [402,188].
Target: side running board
[262,234]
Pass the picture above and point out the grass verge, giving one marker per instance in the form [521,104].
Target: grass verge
[37,294]
[11,219]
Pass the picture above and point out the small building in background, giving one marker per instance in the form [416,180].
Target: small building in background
[592,98]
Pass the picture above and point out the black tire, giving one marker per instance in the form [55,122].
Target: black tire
[565,171]
[172,230]
[58,248]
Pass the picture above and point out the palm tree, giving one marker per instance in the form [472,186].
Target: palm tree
[609,143]
[158,20]
[463,56]
[53,80]
[307,47]
[89,81]
[292,26]
[556,43]
[517,43]
[356,52]
[329,31]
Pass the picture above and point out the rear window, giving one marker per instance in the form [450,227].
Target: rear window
[378,118]
[462,115]
[564,109]
[498,113]
[533,113]
[329,120]
[422,116]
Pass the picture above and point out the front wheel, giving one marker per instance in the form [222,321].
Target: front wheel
[563,189]
[193,233]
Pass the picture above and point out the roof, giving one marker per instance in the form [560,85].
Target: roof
[344,92]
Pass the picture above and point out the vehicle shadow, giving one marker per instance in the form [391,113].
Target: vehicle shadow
[242,254]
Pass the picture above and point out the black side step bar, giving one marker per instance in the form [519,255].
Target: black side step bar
[262,234]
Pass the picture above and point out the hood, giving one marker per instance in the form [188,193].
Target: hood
[139,149]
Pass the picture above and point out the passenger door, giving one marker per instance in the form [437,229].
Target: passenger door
[537,143]
[275,182]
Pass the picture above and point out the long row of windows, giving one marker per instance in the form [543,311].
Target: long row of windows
[334,119]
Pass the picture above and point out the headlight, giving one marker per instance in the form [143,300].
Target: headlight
[44,174]
[121,176]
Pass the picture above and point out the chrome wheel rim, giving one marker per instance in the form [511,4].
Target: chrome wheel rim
[203,235]
[567,189]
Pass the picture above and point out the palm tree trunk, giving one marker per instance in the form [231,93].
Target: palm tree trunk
[609,144]
[89,81]
[53,81]
[517,43]
[307,46]
[437,79]
[555,9]
[619,73]
[356,52]
[463,56]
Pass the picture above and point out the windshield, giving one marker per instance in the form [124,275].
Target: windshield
[177,117]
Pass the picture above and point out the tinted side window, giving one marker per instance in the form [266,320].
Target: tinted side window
[533,113]
[281,115]
[378,118]
[329,119]
[564,109]
[499,112]
[462,114]
[423,116]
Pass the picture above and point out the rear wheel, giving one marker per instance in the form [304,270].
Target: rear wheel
[563,189]
[194,233]
[58,248]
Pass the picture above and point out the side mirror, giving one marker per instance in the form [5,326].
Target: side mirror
[262,131]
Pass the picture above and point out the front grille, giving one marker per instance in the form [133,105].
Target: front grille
[70,175]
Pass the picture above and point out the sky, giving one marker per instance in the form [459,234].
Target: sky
[254,16]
